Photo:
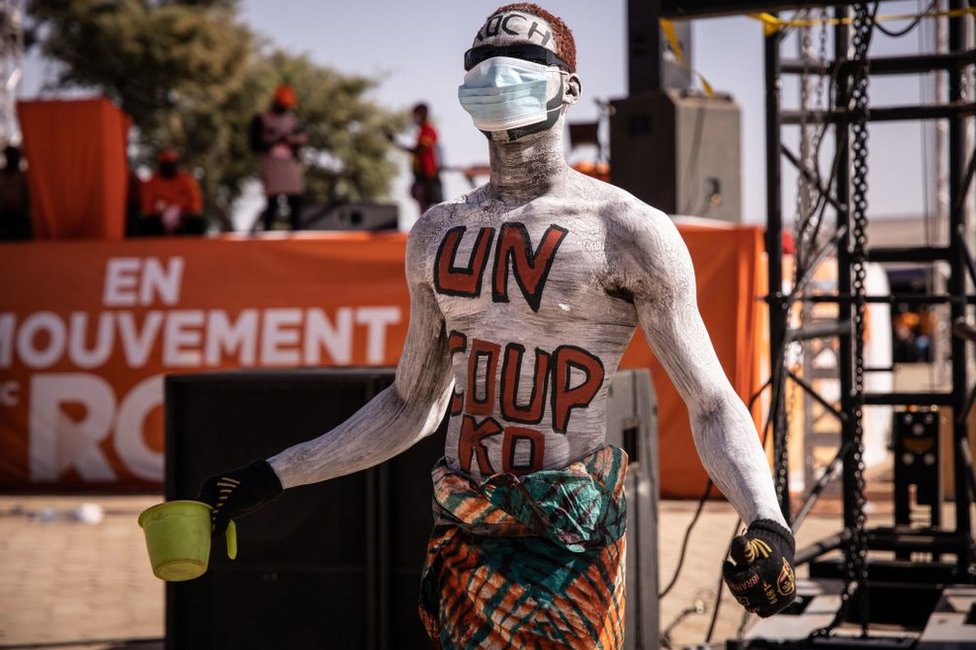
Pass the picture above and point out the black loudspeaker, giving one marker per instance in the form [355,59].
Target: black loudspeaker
[632,425]
[351,216]
[337,564]
[331,565]
[679,152]
[918,464]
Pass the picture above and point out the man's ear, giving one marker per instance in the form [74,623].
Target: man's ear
[573,90]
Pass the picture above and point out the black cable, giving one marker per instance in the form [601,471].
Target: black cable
[741,632]
[820,207]
[684,542]
[822,202]
[701,506]
[721,579]
[735,531]
[909,27]
[718,590]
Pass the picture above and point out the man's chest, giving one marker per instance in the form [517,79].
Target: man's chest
[549,268]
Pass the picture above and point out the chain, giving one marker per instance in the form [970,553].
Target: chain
[805,191]
[781,428]
[855,553]
[808,192]
[807,223]
[804,237]
[856,556]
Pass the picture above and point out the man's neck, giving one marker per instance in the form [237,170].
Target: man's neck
[528,168]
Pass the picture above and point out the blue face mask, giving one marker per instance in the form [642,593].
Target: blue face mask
[503,93]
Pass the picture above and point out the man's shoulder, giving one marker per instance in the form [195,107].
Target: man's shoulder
[452,213]
[642,241]
[623,213]
[432,223]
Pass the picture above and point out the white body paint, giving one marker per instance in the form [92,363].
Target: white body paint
[619,264]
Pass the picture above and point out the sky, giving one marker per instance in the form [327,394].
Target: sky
[414,51]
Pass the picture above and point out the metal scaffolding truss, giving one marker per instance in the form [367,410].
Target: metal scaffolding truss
[11,66]
[843,194]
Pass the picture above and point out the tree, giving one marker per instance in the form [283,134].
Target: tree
[192,76]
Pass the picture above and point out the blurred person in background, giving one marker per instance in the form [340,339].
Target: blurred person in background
[277,137]
[171,202]
[426,188]
[14,197]
[907,328]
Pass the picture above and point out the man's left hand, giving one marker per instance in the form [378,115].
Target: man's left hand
[762,578]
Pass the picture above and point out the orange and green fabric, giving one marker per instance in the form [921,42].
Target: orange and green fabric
[530,561]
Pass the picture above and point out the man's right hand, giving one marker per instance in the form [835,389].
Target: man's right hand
[238,491]
[763,578]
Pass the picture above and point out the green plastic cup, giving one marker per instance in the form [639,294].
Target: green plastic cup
[178,539]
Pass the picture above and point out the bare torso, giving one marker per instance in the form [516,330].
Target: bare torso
[537,321]
[524,294]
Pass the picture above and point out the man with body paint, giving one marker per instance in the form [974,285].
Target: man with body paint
[524,295]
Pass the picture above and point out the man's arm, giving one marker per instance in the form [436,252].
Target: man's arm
[400,415]
[662,280]
[194,198]
[658,270]
[390,423]
[391,137]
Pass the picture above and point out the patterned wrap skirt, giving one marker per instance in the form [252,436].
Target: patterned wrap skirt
[531,561]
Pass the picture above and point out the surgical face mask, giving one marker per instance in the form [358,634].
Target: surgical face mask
[503,93]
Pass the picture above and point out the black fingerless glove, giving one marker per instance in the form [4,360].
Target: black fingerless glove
[762,578]
[238,491]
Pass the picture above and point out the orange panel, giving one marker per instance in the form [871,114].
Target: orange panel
[75,150]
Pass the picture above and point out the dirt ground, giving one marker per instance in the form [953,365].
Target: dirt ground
[69,584]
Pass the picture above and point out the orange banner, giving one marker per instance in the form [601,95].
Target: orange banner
[88,334]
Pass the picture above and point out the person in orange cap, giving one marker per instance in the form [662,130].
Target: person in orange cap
[171,203]
[277,137]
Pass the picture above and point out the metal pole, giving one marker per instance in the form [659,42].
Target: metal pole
[774,254]
[957,287]
[643,46]
[846,311]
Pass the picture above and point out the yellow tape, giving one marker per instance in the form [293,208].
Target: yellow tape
[707,87]
[667,26]
[772,24]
